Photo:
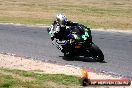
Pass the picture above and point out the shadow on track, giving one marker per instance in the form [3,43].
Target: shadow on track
[83,59]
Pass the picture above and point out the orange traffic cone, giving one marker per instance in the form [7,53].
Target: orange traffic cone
[84,73]
[84,79]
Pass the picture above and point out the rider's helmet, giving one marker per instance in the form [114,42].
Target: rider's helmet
[61,19]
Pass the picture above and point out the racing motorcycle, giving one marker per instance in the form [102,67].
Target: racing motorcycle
[78,43]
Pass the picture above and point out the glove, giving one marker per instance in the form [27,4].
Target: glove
[52,38]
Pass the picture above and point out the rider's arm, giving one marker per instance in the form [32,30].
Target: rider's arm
[54,23]
[51,29]
[70,23]
[54,30]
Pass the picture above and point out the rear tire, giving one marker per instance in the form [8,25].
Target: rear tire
[96,53]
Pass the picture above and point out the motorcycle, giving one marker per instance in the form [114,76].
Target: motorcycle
[78,42]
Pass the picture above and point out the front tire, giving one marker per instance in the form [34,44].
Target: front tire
[96,53]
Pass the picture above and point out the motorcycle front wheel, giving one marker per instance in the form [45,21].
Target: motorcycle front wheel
[96,53]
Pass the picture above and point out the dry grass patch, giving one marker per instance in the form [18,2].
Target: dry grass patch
[96,13]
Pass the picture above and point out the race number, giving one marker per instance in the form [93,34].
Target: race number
[85,36]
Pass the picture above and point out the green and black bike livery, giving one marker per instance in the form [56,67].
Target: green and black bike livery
[78,42]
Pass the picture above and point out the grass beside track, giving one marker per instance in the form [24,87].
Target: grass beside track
[13,78]
[25,79]
[94,13]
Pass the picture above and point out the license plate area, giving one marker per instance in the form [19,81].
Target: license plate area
[77,46]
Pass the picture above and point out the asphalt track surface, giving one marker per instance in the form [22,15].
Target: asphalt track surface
[35,42]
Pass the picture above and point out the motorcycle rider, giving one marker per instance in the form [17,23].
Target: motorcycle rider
[59,28]
[84,46]
[62,29]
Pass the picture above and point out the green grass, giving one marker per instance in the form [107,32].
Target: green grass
[13,78]
[94,13]
[6,81]
[18,78]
